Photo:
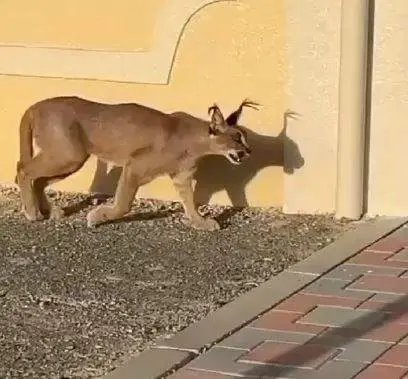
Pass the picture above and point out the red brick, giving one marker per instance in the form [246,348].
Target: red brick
[382,372]
[377,259]
[286,321]
[192,374]
[390,244]
[304,303]
[396,356]
[401,318]
[401,256]
[309,356]
[398,307]
[389,332]
[398,311]
[378,283]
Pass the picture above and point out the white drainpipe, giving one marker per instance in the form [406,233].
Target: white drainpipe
[352,112]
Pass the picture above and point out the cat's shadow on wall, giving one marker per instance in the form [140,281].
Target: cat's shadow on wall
[216,173]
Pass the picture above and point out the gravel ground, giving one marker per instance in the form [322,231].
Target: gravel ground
[76,302]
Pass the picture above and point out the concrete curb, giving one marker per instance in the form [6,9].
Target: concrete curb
[174,353]
[151,363]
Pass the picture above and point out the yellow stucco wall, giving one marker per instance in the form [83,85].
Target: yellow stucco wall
[228,51]
[388,159]
[312,56]
[76,24]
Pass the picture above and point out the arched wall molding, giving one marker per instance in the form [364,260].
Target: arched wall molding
[150,67]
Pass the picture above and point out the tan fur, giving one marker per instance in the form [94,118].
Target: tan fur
[58,135]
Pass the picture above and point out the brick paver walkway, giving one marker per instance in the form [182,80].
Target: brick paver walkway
[350,323]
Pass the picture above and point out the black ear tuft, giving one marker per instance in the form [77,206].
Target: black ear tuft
[233,118]
[212,109]
[217,118]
